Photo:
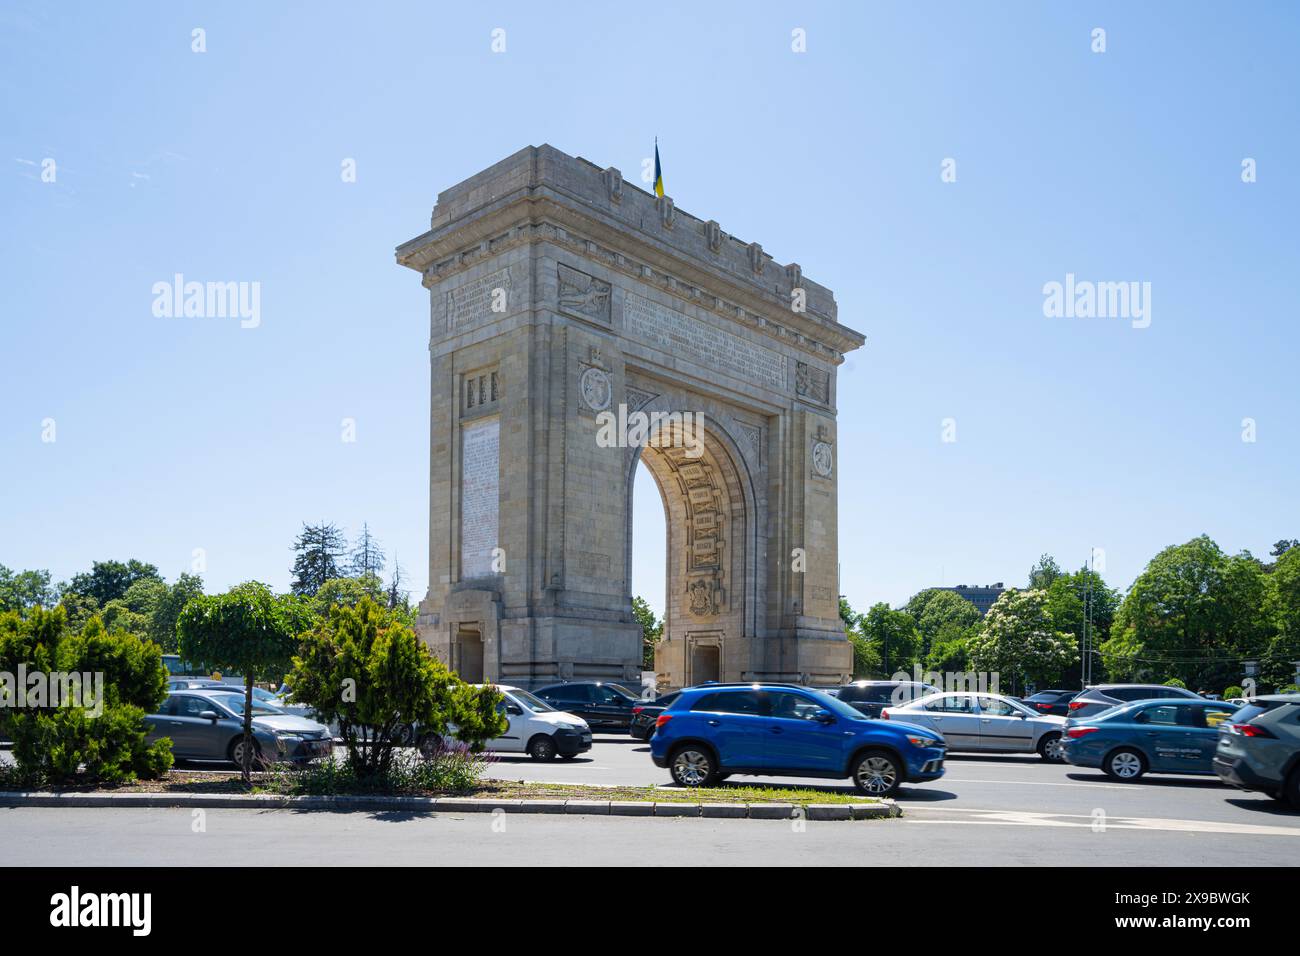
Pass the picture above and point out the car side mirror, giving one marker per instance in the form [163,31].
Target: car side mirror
[824,717]
[514,710]
[211,715]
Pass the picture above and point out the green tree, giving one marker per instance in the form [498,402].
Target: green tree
[950,651]
[109,580]
[652,631]
[319,550]
[247,630]
[368,556]
[26,589]
[363,668]
[895,636]
[161,628]
[1193,613]
[1042,574]
[1277,666]
[346,592]
[935,607]
[100,735]
[1066,597]
[1019,640]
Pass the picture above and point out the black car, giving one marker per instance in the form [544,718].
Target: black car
[645,713]
[870,697]
[600,703]
[1052,702]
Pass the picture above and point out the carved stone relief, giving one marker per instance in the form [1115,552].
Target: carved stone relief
[583,296]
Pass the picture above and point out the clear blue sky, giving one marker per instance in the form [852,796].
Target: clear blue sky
[176,434]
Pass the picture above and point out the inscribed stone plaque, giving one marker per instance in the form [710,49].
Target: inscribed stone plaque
[712,347]
[472,301]
[479,497]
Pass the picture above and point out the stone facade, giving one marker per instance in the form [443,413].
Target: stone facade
[561,296]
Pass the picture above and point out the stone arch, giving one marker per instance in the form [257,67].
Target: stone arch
[714,554]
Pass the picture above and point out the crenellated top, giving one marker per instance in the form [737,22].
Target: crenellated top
[540,184]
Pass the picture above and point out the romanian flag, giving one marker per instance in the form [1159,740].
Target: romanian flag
[659,173]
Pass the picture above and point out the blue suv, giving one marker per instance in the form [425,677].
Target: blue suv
[783,730]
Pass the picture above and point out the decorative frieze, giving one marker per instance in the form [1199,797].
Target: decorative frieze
[714,348]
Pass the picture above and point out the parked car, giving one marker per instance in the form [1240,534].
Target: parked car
[784,730]
[209,725]
[176,667]
[1259,748]
[1171,735]
[535,728]
[985,723]
[206,683]
[870,697]
[1055,702]
[646,713]
[1095,699]
[600,703]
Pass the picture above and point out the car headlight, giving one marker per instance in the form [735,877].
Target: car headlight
[917,740]
[571,726]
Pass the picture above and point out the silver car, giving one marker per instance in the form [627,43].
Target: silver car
[209,725]
[985,723]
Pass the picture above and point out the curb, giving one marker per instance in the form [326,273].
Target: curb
[641,808]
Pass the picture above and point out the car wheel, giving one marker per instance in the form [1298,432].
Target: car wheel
[877,774]
[1125,764]
[429,745]
[1051,748]
[1291,789]
[694,766]
[541,747]
[236,753]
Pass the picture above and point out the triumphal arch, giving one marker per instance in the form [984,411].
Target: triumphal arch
[579,325]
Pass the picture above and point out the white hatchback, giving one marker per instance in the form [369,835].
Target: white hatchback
[538,729]
[985,723]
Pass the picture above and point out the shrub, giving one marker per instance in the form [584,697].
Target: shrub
[364,668]
[453,768]
[1233,691]
[1175,682]
[73,743]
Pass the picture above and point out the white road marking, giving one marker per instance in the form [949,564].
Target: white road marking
[1026,818]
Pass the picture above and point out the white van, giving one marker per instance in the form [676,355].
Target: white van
[536,728]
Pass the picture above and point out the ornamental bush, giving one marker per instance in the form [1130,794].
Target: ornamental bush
[100,734]
[363,668]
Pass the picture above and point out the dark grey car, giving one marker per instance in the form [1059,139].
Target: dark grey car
[1259,748]
[209,725]
[1101,697]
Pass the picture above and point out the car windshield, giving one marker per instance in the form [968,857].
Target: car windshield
[235,702]
[1252,710]
[621,690]
[532,703]
[837,706]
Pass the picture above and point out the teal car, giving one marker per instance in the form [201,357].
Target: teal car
[1148,736]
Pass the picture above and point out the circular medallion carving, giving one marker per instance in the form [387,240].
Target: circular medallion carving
[822,458]
[596,390]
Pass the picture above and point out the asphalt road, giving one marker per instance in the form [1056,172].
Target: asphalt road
[1007,810]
